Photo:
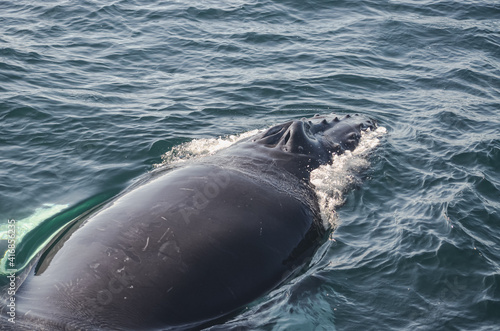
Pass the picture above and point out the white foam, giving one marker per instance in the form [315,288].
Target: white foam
[331,181]
[201,147]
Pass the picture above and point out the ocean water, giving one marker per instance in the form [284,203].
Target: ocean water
[93,94]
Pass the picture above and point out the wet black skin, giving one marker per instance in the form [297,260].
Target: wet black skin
[189,245]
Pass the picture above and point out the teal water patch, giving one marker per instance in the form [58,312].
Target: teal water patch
[27,224]
[10,250]
[33,233]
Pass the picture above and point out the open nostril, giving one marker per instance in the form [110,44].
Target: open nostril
[287,137]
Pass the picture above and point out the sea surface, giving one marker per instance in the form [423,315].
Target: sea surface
[94,94]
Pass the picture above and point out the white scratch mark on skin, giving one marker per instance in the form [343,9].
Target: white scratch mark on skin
[164,235]
[186,189]
[231,290]
[163,218]
[147,243]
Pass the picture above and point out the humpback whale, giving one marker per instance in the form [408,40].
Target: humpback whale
[188,245]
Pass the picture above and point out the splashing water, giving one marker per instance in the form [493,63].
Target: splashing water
[331,181]
[201,147]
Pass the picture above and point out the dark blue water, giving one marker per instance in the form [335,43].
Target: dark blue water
[93,93]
